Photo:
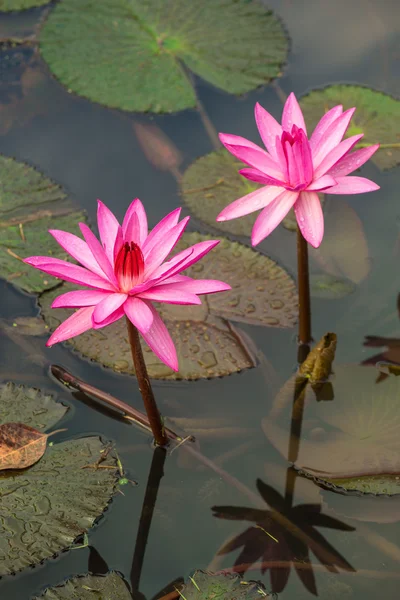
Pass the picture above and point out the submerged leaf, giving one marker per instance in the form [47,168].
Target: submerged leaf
[206,586]
[387,485]
[30,204]
[10,5]
[377,116]
[89,587]
[20,446]
[330,287]
[208,345]
[130,55]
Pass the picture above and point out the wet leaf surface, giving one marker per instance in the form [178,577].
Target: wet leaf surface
[380,485]
[9,5]
[208,345]
[46,507]
[206,586]
[20,446]
[356,434]
[330,287]
[377,116]
[30,204]
[134,51]
[89,587]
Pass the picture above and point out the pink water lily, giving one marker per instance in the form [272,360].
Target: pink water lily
[294,168]
[124,273]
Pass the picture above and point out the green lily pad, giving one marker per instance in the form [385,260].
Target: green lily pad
[354,435]
[132,54]
[30,204]
[208,346]
[89,587]
[386,485]
[206,586]
[10,5]
[377,116]
[20,404]
[330,287]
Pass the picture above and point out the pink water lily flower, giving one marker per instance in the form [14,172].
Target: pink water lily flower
[124,273]
[294,168]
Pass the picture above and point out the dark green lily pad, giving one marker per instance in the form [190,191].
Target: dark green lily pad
[89,587]
[46,507]
[330,287]
[132,54]
[208,346]
[377,116]
[30,204]
[20,404]
[206,586]
[10,5]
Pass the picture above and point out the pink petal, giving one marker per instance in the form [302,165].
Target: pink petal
[160,251]
[353,185]
[196,286]
[136,208]
[170,295]
[353,161]
[254,156]
[259,177]
[281,159]
[76,248]
[292,115]
[272,215]
[183,260]
[250,203]
[99,254]
[268,128]
[107,306]
[164,271]
[77,323]
[79,298]
[108,229]
[237,140]
[336,154]
[303,157]
[139,313]
[159,340]
[324,182]
[332,137]
[310,218]
[69,272]
[115,316]
[293,171]
[324,124]
[160,231]
[132,230]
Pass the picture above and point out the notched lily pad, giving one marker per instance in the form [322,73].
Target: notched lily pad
[377,116]
[131,55]
[30,204]
[207,586]
[89,587]
[10,5]
[330,287]
[208,345]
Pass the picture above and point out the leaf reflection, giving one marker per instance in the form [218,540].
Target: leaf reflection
[280,546]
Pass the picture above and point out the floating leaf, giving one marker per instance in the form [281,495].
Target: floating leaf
[330,287]
[357,434]
[344,252]
[317,365]
[206,586]
[131,55]
[380,485]
[89,587]
[20,446]
[30,204]
[29,406]
[377,116]
[208,345]
[9,5]
[211,183]
[44,508]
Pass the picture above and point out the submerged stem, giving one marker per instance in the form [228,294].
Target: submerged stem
[304,289]
[145,388]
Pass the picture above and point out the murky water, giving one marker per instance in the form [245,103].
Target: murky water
[94,153]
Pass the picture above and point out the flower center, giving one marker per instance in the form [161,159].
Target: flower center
[129,266]
[297,156]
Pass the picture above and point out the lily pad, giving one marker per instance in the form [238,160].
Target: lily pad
[30,406]
[327,286]
[30,204]
[386,485]
[377,116]
[10,5]
[89,587]
[208,345]
[132,54]
[356,434]
[206,586]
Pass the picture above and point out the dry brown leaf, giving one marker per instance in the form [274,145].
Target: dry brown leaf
[20,446]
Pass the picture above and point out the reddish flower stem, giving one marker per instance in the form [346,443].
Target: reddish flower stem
[304,290]
[145,388]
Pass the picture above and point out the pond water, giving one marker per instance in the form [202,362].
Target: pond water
[95,152]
